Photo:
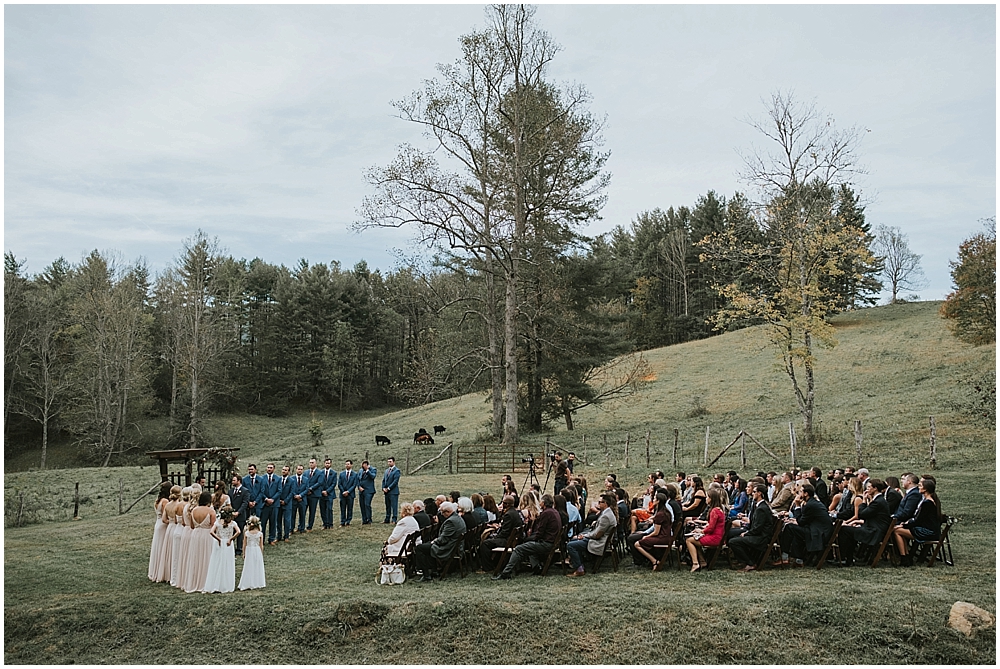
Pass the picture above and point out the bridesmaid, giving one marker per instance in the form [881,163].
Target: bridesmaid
[159,529]
[185,534]
[167,545]
[200,548]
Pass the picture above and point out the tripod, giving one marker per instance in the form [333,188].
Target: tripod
[531,477]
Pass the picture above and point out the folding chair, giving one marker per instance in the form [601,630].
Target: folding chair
[885,542]
[405,556]
[508,548]
[609,549]
[779,524]
[559,546]
[942,546]
[724,546]
[457,555]
[471,549]
[831,545]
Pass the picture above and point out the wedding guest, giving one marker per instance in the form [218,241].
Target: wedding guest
[405,526]
[711,536]
[925,525]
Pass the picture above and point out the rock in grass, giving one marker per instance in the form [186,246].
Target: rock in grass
[968,618]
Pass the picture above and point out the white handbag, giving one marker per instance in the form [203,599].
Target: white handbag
[391,574]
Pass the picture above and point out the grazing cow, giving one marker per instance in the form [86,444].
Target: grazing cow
[422,438]
[382,441]
[438,429]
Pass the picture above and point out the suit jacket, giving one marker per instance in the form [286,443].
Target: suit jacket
[255,486]
[327,480]
[598,537]
[390,480]
[347,481]
[761,524]
[821,491]
[782,499]
[893,498]
[423,520]
[813,516]
[877,518]
[298,488]
[366,480]
[451,532]
[285,495]
[546,527]
[908,506]
[510,522]
[239,498]
[313,482]
[271,490]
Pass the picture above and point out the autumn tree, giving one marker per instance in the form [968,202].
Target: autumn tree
[972,307]
[806,240]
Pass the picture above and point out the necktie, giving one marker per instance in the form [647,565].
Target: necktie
[300,479]
[270,479]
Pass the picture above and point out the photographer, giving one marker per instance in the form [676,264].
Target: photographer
[561,469]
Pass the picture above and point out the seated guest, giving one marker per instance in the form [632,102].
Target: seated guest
[748,547]
[815,477]
[529,508]
[738,499]
[809,528]
[836,495]
[857,503]
[698,501]
[911,499]
[711,536]
[478,512]
[661,532]
[465,511]
[454,496]
[406,526]
[672,491]
[451,532]
[561,508]
[510,522]
[782,499]
[869,529]
[594,540]
[490,506]
[419,515]
[893,495]
[572,512]
[545,532]
[925,525]
[431,509]
[438,501]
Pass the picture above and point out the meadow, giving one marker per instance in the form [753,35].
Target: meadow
[76,591]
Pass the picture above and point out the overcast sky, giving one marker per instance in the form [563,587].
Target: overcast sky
[131,127]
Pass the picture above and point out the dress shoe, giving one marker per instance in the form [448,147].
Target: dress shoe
[576,573]
[385,522]
[426,578]
[747,569]
[502,576]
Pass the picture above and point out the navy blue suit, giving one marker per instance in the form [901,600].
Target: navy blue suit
[285,511]
[313,496]
[269,512]
[239,498]
[347,482]
[390,488]
[366,484]
[326,482]
[908,505]
[299,486]
[255,488]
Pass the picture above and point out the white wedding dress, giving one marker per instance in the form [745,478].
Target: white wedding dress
[253,561]
[222,565]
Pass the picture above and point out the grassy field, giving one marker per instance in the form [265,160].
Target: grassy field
[76,591]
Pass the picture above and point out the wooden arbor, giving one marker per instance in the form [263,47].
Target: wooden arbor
[223,460]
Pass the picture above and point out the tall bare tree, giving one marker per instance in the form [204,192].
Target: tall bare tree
[900,266]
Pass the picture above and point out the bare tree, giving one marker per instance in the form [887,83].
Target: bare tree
[901,266]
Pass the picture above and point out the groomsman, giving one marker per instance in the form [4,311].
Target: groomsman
[366,483]
[347,482]
[328,490]
[299,485]
[390,488]
[284,505]
[239,499]
[255,486]
[270,507]
[313,494]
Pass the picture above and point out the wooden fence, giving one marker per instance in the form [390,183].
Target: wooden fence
[497,458]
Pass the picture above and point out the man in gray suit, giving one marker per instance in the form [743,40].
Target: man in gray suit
[452,531]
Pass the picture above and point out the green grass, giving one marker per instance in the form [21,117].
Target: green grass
[76,591]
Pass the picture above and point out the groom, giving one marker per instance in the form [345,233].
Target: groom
[239,499]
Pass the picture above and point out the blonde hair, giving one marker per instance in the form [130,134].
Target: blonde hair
[253,523]
[529,504]
[856,486]
[175,493]
[405,510]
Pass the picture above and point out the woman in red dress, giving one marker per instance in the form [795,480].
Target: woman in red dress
[712,535]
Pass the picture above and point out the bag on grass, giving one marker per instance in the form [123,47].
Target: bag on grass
[391,574]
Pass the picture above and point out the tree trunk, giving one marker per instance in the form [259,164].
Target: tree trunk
[510,351]
[567,413]
[493,350]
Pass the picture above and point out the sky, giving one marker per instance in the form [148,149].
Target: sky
[131,127]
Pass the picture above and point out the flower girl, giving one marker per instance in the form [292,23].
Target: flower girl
[253,556]
[222,565]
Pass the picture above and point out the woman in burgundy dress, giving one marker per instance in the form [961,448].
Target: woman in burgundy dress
[662,533]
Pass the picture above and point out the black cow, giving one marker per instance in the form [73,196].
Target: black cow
[381,441]
[438,429]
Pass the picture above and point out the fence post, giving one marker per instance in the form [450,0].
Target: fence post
[408,460]
[705,461]
[933,445]
[20,509]
[857,442]
[743,449]
[674,458]
[791,439]
[647,449]
[607,453]
[626,450]
[450,470]
[121,496]
[76,502]
[585,460]
[366,455]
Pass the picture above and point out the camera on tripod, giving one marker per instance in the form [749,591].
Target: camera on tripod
[551,456]
[528,458]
